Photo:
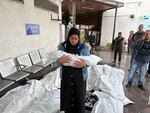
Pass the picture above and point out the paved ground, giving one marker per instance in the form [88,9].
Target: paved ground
[139,97]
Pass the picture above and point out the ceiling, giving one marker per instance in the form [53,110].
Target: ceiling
[88,8]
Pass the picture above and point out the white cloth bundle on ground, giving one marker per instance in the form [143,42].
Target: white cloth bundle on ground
[49,102]
[94,72]
[16,99]
[109,81]
[51,80]
[107,104]
[31,98]
[89,60]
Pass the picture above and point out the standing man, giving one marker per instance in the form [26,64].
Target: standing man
[118,47]
[138,35]
[141,60]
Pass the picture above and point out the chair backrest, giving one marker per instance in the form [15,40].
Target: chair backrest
[1,76]
[24,60]
[42,53]
[7,67]
[35,57]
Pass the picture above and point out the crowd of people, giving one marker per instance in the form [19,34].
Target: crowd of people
[140,56]
[139,49]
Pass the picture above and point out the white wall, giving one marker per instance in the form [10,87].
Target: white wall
[13,38]
[124,23]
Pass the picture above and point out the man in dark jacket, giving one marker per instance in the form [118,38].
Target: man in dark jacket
[118,47]
[141,60]
[137,36]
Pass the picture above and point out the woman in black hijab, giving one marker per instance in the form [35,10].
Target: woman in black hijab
[73,79]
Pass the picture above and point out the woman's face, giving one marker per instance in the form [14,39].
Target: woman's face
[73,39]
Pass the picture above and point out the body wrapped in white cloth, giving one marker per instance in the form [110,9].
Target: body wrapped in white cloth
[89,60]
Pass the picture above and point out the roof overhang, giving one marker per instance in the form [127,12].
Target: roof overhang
[47,5]
[86,8]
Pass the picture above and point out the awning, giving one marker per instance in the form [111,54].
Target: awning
[47,5]
[89,8]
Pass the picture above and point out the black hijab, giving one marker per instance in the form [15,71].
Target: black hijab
[73,49]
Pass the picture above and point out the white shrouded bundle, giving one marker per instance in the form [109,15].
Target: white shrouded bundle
[109,81]
[91,60]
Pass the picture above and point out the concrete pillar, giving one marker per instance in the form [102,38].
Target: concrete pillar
[114,27]
[74,11]
[60,9]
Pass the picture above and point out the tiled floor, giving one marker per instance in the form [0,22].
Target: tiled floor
[139,97]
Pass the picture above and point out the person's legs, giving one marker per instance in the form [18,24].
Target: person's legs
[132,73]
[149,69]
[120,53]
[142,72]
[129,48]
[62,96]
[148,72]
[131,61]
[78,101]
[115,55]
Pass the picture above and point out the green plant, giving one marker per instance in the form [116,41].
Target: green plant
[66,18]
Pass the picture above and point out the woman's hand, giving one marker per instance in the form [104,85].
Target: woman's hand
[64,59]
[80,64]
